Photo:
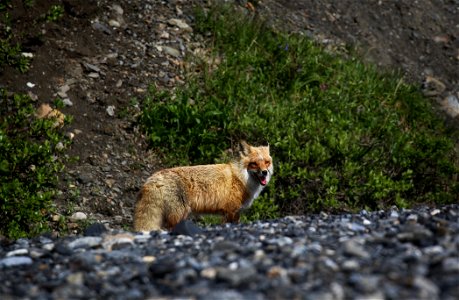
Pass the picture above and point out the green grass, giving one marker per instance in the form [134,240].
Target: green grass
[344,135]
[29,166]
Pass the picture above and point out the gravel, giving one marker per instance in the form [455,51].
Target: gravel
[394,254]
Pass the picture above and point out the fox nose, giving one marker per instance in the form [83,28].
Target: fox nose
[264,172]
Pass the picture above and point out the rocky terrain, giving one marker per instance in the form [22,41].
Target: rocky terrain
[395,254]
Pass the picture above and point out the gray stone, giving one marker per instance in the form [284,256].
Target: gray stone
[180,24]
[17,252]
[237,276]
[110,110]
[78,216]
[85,242]
[171,51]
[15,261]
[352,248]
[451,264]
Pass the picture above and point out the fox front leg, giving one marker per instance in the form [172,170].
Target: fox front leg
[232,217]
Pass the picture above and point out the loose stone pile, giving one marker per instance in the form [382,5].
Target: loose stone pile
[395,254]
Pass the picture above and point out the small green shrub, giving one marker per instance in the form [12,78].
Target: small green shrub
[29,3]
[10,52]
[28,167]
[344,135]
[55,13]
[11,55]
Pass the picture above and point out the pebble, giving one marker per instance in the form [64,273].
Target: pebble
[180,24]
[110,110]
[15,261]
[85,242]
[114,23]
[101,27]
[117,9]
[451,105]
[17,252]
[60,146]
[67,102]
[78,216]
[93,75]
[171,51]
[451,265]
[352,248]
[91,68]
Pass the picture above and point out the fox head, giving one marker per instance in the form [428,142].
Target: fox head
[258,162]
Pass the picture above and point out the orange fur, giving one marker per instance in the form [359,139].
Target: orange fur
[170,195]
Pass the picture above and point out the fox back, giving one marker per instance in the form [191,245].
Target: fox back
[170,195]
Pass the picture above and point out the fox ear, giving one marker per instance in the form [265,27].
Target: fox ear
[245,148]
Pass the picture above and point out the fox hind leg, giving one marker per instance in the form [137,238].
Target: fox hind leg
[149,211]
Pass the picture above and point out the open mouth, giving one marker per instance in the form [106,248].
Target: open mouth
[262,179]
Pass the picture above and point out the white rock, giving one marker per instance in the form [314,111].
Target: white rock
[17,252]
[93,75]
[67,102]
[114,23]
[165,35]
[30,84]
[87,241]
[70,135]
[110,242]
[451,105]
[62,94]
[366,222]
[75,278]
[209,273]
[435,212]
[59,146]
[49,246]
[65,88]
[180,24]
[148,259]
[78,216]
[110,110]
[118,9]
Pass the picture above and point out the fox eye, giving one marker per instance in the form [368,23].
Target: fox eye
[267,162]
[253,165]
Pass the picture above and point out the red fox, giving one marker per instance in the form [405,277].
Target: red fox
[170,195]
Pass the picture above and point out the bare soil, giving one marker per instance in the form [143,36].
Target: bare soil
[103,55]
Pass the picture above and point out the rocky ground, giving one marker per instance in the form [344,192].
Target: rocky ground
[101,57]
[407,254]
